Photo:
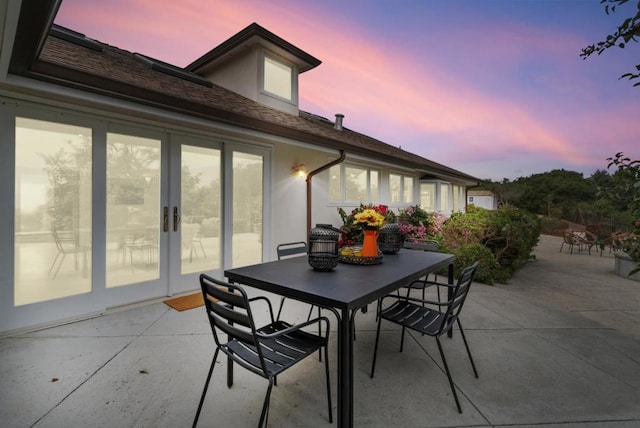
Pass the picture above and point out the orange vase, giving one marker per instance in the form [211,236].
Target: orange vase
[369,244]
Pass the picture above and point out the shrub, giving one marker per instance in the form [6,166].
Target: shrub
[508,234]
[488,270]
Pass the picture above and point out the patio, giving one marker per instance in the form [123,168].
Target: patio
[559,345]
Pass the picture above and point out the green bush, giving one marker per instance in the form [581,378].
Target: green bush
[508,235]
[488,270]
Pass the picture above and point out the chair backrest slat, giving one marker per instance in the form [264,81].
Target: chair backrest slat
[291,249]
[225,294]
[228,310]
[459,296]
[225,311]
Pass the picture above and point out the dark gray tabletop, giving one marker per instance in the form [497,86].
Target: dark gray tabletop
[347,286]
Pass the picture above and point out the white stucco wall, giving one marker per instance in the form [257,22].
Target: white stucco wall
[487,202]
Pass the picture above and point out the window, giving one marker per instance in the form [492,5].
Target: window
[445,198]
[428,196]
[53,218]
[400,189]
[353,183]
[133,209]
[458,198]
[278,78]
[442,196]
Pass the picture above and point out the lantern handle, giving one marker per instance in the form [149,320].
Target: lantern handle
[328,227]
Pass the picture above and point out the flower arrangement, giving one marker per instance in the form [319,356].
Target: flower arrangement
[369,218]
[361,218]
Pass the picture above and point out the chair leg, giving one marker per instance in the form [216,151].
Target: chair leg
[204,391]
[446,369]
[326,363]
[280,309]
[59,266]
[402,339]
[264,416]
[464,339]
[55,261]
[375,347]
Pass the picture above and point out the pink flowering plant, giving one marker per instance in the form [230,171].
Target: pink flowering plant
[417,223]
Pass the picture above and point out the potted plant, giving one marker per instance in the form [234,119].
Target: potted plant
[629,243]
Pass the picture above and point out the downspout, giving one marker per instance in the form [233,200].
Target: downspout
[340,159]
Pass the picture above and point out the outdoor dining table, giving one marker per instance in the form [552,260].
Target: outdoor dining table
[344,290]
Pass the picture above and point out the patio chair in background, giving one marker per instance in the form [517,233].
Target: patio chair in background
[431,318]
[190,237]
[285,251]
[422,245]
[570,238]
[588,240]
[67,242]
[266,351]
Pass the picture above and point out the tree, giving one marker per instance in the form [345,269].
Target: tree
[626,32]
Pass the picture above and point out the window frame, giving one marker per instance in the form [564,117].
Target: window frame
[293,83]
[451,207]
[403,179]
[343,185]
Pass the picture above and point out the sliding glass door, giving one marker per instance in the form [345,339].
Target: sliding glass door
[53,215]
[103,215]
[196,212]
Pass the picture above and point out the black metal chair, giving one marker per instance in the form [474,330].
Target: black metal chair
[431,318]
[265,351]
[422,245]
[285,251]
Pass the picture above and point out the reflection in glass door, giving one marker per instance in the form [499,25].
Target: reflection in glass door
[200,225]
[247,208]
[133,210]
[52,211]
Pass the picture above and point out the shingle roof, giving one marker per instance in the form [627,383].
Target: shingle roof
[122,74]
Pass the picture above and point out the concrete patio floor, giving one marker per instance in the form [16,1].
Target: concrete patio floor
[559,346]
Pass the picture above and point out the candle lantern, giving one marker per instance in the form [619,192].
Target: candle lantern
[390,238]
[323,247]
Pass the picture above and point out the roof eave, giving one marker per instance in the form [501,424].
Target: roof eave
[59,75]
[34,23]
[306,61]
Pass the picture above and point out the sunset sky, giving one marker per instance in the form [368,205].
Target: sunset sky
[493,88]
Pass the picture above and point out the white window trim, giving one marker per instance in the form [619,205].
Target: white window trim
[438,195]
[403,176]
[343,185]
[294,81]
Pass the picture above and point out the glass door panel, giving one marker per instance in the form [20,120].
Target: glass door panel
[200,225]
[133,210]
[52,211]
[247,209]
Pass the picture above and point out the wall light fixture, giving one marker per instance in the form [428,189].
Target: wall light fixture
[299,170]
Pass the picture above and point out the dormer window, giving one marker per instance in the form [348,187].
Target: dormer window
[277,78]
[259,65]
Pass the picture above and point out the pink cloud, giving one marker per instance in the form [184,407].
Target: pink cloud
[464,101]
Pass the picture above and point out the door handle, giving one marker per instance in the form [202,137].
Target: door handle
[165,219]
[176,219]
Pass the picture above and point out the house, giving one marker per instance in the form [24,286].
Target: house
[482,199]
[125,177]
